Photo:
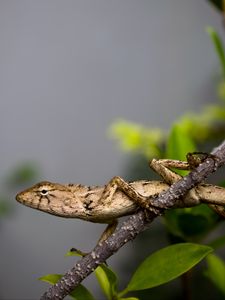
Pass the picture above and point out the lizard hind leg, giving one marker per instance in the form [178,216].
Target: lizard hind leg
[162,167]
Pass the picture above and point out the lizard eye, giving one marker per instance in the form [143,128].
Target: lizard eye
[44,192]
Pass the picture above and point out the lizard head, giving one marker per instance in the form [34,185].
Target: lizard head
[46,196]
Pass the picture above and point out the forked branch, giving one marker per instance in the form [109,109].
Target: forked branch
[135,224]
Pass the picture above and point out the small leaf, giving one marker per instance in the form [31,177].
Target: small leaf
[216,271]
[79,293]
[51,278]
[107,280]
[167,264]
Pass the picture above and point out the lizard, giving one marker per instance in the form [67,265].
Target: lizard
[118,198]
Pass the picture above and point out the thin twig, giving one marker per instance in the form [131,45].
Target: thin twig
[135,224]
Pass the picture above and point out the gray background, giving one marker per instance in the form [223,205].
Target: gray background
[68,69]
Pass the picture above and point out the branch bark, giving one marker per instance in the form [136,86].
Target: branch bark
[135,224]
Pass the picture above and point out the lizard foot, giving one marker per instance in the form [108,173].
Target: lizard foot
[194,159]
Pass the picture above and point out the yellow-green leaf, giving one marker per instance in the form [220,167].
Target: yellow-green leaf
[107,280]
[51,278]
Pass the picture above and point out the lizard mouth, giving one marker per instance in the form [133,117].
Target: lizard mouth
[19,198]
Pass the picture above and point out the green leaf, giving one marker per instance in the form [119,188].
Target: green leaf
[191,224]
[167,264]
[80,292]
[216,271]
[218,45]
[179,143]
[107,280]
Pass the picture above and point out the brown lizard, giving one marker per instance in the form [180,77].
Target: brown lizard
[118,198]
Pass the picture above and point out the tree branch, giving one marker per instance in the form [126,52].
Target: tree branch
[135,224]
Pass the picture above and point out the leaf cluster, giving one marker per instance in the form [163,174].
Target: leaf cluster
[153,271]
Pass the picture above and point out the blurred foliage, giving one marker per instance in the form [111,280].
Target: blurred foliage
[134,137]
[199,128]
[218,48]
[22,174]
[191,224]
[4,206]
[153,271]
